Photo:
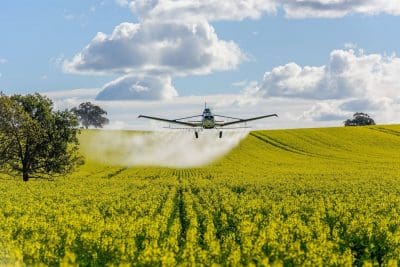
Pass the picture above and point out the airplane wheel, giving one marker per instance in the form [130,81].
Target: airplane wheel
[220,134]
[196,134]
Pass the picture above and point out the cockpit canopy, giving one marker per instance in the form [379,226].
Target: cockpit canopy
[207,114]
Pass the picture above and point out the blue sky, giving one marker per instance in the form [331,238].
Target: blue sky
[37,33]
[40,37]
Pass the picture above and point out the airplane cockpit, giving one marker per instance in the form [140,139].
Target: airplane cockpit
[207,114]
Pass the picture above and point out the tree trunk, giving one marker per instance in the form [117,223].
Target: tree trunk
[25,176]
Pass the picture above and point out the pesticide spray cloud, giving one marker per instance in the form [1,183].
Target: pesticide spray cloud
[163,148]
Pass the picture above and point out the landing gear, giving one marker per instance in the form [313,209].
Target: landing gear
[220,134]
[196,134]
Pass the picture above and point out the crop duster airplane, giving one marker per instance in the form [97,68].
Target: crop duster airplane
[207,121]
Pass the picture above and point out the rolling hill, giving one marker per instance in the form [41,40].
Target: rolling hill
[325,196]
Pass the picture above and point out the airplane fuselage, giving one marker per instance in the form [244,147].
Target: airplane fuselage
[208,121]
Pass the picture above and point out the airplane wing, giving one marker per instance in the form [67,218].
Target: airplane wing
[245,120]
[190,124]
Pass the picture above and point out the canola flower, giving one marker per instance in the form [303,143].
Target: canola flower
[307,197]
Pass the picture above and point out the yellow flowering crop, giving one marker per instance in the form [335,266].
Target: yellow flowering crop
[306,197]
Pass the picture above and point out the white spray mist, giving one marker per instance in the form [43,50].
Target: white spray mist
[175,148]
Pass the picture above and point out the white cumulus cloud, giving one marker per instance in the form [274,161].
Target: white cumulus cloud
[347,74]
[140,88]
[351,81]
[148,54]
[371,104]
[325,111]
[381,109]
[213,10]
[339,8]
[175,38]
[81,93]
[175,48]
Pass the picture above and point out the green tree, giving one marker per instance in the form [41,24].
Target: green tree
[36,141]
[359,119]
[89,114]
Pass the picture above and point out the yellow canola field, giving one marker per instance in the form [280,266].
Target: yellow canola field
[311,197]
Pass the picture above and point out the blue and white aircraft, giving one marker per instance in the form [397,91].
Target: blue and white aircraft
[207,121]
